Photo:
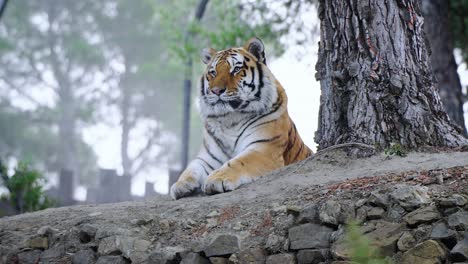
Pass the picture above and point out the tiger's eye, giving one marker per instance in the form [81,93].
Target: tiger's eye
[236,69]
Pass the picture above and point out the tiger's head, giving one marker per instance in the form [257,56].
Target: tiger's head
[236,80]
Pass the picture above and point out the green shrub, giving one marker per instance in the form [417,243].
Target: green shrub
[25,189]
[395,149]
[362,251]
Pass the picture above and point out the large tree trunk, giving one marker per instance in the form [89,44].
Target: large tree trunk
[377,85]
[438,32]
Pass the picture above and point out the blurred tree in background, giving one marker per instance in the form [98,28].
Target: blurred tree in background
[71,65]
[50,65]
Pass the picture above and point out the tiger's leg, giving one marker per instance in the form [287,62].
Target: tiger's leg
[196,173]
[242,169]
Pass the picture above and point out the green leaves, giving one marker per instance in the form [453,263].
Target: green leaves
[25,189]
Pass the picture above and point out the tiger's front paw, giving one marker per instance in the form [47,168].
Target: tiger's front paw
[220,181]
[184,187]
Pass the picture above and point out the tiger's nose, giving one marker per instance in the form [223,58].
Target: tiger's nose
[218,91]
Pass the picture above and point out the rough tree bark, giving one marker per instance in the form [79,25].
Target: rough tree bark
[444,67]
[377,85]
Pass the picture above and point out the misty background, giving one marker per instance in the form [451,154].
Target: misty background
[92,85]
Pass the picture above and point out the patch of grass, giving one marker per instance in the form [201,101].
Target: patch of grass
[395,149]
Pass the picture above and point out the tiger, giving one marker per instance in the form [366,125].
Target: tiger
[247,129]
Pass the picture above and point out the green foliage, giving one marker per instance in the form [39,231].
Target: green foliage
[25,189]
[459,25]
[362,251]
[395,149]
[224,25]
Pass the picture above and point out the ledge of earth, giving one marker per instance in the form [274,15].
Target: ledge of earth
[413,208]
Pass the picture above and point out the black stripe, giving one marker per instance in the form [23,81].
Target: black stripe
[209,152]
[291,145]
[264,123]
[260,80]
[202,85]
[248,135]
[276,106]
[217,116]
[263,140]
[206,162]
[299,152]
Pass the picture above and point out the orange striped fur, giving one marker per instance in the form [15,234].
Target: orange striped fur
[248,131]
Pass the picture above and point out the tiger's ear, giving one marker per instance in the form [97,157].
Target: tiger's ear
[206,54]
[256,47]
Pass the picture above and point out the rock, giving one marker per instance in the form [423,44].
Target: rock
[329,212]
[194,258]
[211,222]
[109,246]
[274,243]
[252,256]
[309,214]
[140,221]
[38,242]
[167,255]
[29,257]
[218,260]
[385,236]
[423,215]
[422,233]
[406,241]
[360,203]
[379,198]
[233,259]
[460,251]
[292,209]
[112,260]
[382,234]
[375,213]
[428,252]
[110,230]
[334,213]
[86,256]
[395,212]
[222,245]
[309,236]
[87,233]
[46,231]
[284,258]
[53,254]
[361,214]
[453,200]
[312,256]
[458,220]
[410,197]
[238,226]
[130,247]
[441,232]
[213,214]
[141,245]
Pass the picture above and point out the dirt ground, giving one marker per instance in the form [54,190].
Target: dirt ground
[186,222]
